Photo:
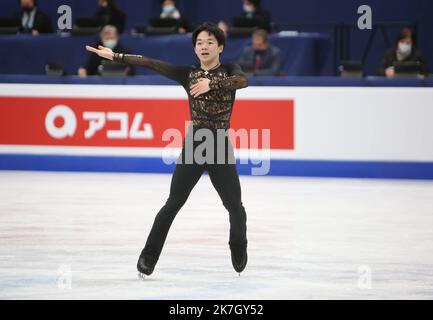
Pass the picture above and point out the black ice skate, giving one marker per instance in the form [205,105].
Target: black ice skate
[239,255]
[145,265]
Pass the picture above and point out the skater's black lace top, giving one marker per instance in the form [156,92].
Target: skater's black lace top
[212,109]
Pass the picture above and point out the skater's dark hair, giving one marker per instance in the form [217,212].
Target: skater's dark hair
[211,29]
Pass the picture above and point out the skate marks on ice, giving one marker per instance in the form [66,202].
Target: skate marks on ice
[78,236]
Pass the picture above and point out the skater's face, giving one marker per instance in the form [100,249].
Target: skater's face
[207,48]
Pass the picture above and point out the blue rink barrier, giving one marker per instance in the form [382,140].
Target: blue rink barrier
[304,168]
[278,81]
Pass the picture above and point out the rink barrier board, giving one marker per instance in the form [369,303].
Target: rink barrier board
[300,168]
[334,132]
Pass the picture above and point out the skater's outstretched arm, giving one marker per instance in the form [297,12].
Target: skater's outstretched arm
[235,80]
[171,71]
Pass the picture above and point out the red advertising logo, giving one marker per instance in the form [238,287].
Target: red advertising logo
[127,122]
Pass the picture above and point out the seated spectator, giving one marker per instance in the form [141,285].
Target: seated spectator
[253,11]
[169,11]
[109,38]
[403,50]
[261,58]
[111,14]
[32,19]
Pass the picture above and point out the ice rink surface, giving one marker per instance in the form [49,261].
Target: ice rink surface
[78,236]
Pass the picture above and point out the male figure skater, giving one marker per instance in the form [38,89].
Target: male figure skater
[211,89]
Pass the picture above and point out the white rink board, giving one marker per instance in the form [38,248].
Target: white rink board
[350,123]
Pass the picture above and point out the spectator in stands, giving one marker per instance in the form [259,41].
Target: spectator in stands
[169,11]
[261,58]
[111,14]
[109,38]
[403,50]
[32,19]
[253,11]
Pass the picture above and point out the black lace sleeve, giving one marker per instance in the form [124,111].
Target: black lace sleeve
[235,80]
[171,71]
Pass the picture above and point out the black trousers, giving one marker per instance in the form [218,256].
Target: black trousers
[225,180]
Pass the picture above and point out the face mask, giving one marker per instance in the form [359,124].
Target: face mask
[110,44]
[168,8]
[248,8]
[404,48]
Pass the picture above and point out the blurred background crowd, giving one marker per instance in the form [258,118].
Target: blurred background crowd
[267,38]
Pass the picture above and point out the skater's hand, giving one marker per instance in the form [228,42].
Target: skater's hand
[202,86]
[103,52]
